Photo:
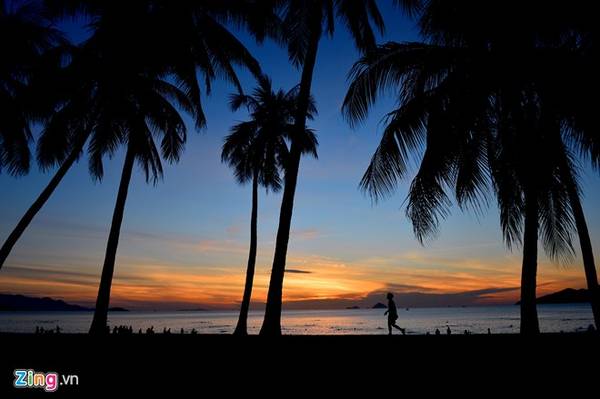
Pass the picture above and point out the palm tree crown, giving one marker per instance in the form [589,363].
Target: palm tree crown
[26,38]
[260,146]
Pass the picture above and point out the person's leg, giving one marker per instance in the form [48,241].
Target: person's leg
[400,328]
[389,327]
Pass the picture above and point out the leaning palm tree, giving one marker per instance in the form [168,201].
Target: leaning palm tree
[26,39]
[305,22]
[197,40]
[257,151]
[577,115]
[474,133]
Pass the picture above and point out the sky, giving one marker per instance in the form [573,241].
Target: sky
[184,241]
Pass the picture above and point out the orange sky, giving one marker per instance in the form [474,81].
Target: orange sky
[312,281]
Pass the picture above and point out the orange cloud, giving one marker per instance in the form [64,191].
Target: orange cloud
[317,279]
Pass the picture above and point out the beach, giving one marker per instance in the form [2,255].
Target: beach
[417,321]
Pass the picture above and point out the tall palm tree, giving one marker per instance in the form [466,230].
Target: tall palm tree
[118,104]
[26,38]
[197,39]
[570,33]
[144,81]
[475,130]
[257,151]
[305,22]
[568,97]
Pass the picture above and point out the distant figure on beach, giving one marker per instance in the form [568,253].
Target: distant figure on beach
[448,330]
[437,331]
[392,314]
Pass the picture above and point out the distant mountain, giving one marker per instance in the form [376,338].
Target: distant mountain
[22,303]
[379,305]
[25,303]
[568,295]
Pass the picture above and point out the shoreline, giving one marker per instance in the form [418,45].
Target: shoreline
[325,336]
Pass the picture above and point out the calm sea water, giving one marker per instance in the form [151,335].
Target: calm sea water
[500,319]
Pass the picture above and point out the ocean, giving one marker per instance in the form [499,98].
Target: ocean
[477,320]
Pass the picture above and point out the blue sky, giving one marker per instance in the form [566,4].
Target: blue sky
[185,240]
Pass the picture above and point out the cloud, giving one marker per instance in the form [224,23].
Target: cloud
[487,296]
[305,234]
[211,274]
[220,246]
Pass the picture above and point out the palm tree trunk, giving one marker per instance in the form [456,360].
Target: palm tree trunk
[272,321]
[587,252]
[40,202]
[529,316]
[242,325]
[99,325]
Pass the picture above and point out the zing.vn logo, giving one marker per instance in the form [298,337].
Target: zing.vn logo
[49,382]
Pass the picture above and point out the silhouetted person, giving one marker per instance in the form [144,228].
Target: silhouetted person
[448,330]
[392,313]
[437,331]
[489,332]
[182,331]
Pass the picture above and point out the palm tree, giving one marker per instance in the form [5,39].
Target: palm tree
[570,33]
[569,99]
[305,22]
[257,150]
[118,104]
[140,87]
[476,131]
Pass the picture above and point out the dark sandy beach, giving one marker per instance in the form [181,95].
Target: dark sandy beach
[200,361]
